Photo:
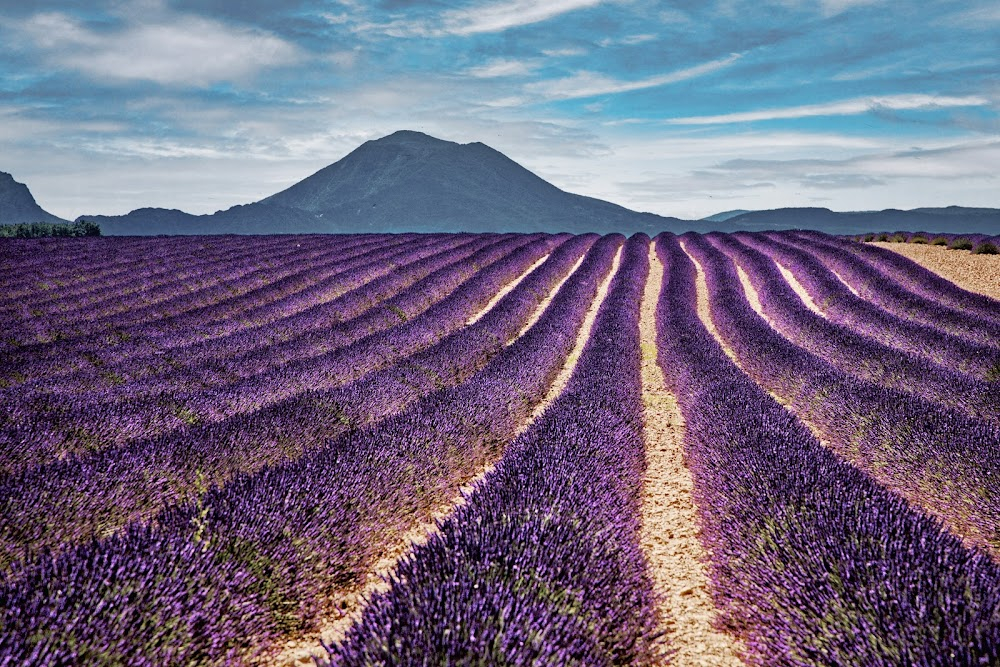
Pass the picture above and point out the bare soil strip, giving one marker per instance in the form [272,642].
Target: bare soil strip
[669,516]
[505,291]
[545,302]
[846,284]
[800,290]
[704,314]
[300,653]
[975,273]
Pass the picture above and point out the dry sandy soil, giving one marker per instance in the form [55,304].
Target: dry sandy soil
[976,273]
[670,520]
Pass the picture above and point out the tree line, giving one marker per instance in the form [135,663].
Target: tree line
[36,230]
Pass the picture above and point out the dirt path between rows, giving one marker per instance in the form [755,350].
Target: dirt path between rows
[300,653]
[797,287]
[975,273]
[669,516]
[507,289]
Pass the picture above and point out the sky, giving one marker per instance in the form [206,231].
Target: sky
[683,108]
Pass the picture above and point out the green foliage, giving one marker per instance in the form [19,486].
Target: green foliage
[919,239]
[400,313]
[882,237]
[897,238]
[960,244]
[939,240]
[36,230]
[986,248]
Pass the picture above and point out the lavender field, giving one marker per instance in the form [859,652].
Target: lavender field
[430,449]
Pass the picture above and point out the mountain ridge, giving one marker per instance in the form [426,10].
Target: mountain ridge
[18,205]
[409,181]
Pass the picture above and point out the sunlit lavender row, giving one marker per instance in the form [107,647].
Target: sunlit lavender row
[212,444]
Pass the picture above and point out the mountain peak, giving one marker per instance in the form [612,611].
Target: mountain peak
[412,138]
[17,205]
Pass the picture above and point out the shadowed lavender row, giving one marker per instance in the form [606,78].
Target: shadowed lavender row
[881,290]
[855,354]
[101,493]
[150,292]
[840,305]
[909,444]
[812,562]
[198,315]
[48,425]
[41,270]
[542,566]
[920,280]
[270,553]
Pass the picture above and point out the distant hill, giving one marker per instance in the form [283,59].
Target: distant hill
[725,215]
[18,206]
[953,219]
[409,181]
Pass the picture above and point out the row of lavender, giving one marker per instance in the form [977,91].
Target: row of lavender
[65,412]
[858,353]
[915,446]
[226,575]
[843,306]
[813,563]
[542,566]
[984,244]
[222,573]
[897,281]
[66,501]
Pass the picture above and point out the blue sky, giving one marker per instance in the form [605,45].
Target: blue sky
[681,108]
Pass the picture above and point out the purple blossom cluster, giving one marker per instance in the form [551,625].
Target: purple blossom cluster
[909,444]
[840,305]
[68,501]
[80,418]
[918,279]
[231,572]
[209,443]
[813,563]
[853,353]
[542,565]
[872,284]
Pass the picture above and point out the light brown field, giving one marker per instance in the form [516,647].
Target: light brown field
[976,273]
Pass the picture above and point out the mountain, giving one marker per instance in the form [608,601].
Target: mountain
[17,205]
[409,181]
[725,215]
[953,219]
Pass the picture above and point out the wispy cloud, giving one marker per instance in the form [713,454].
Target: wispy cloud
[591,84]
[850,107]
[628,40]
[483,18]
[962,161]
[502,67]
[179,51]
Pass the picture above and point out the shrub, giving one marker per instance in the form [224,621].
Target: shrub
[897,238]
[986,248]
[939,240]
[918,239]
[960,244]
[993,374]
[882,237]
